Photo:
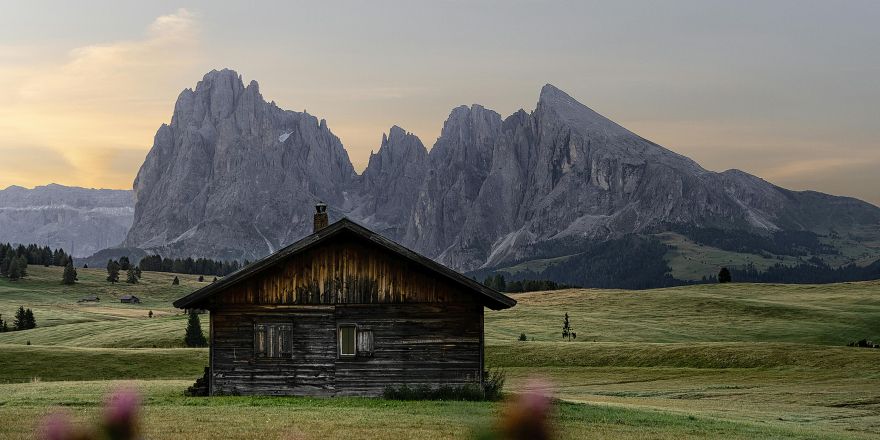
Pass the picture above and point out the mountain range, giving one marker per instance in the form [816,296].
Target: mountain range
[560,192]
[82,221]
[236,177]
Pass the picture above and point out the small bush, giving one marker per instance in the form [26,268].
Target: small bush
[470,392]
[523,337]
[493,382]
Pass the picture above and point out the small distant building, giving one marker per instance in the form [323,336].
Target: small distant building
[90,298]
[129,299]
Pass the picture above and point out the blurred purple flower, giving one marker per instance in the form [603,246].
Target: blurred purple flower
[121,414]
[57,426]
[527,416]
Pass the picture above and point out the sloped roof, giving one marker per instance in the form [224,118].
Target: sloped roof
[490,298]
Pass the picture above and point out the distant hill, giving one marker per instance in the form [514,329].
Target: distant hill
[79,220]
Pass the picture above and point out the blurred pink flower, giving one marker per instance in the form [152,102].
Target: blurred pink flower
[57,426]
[121,414]
[527,417]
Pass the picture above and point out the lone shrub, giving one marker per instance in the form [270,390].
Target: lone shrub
[724,275]
[523,337]
[493,384]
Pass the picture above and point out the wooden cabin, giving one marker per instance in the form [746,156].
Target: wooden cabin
[129,299]
[343,312]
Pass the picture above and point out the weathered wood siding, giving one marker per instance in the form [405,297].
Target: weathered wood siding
[344,272]
[424,330]
[432,344]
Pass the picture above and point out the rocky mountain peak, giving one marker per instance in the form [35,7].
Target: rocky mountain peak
[192,187]
[235,177]
[557,105]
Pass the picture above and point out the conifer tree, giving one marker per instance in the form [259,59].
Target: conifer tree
[175,281]
[112,271]
[194,336]
[29,320]
[7,262]
[132,276]
[20,321]
[69,277]
[567,331]
[14,270]
[22,266]
[724,275]
[201,279]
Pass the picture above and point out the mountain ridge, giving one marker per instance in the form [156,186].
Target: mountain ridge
[235,177]
[80,220]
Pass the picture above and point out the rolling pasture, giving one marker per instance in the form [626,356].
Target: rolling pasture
[713,361]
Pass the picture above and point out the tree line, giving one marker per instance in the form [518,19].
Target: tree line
[14,260]
[198,266]
[499,283]
[36,255]
[792,243]
[812,271]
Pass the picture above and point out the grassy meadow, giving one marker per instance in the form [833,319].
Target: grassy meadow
[713,361]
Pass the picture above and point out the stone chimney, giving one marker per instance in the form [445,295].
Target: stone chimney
[321,219]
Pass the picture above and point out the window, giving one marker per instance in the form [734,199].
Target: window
[273,340]
[355,341]
[346,340]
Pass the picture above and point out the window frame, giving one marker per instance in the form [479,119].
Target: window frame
[275,345]
[339,352]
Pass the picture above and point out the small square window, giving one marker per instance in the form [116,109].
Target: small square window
[347,336]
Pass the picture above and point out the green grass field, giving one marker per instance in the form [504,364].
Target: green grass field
[711,361]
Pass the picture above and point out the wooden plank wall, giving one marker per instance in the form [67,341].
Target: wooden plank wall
[415,344]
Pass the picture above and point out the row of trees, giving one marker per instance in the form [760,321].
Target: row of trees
[199,266]
[14,260]
[132,273]
[36,255]
[792,243]
[812,271]
[498,283]
[24,320]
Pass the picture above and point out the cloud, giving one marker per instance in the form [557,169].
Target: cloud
[807,167]
[100,102]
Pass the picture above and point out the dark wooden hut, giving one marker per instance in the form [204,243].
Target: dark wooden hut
[343,311]
[129,299]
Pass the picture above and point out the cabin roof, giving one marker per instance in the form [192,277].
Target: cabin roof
[490,297]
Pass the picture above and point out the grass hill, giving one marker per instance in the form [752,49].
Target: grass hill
[708,361]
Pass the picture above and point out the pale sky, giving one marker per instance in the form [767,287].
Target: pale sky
[786,90]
